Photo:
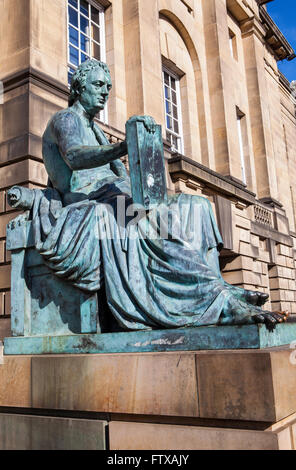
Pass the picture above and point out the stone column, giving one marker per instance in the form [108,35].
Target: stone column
[15,53]
[115,58]
[143,58]
[214,14]
[253,34]
[34,74]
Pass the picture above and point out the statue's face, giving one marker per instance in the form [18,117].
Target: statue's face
[96,91]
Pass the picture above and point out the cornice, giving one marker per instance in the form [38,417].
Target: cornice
[35,77]
[253,26]
[240,10]
[275,38]
[182,167]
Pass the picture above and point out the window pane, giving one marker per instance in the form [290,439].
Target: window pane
[95,15]
[84,7]
[166,78]
[74,56]
[175,142]
[96,51]
[73,36]
[70,74]
[84,25]
[169,122]
[167,92]
[73,17]
[176,127]
[96,33]
[173,83]
[175,112]
[74,3]
[84,57]
[174,97]
[168,107]
[84,44]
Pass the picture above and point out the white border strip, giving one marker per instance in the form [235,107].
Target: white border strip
[1,353]
[1,92]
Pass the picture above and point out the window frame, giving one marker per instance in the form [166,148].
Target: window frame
[233,44]
[239,118]
[101,44]
[180,135]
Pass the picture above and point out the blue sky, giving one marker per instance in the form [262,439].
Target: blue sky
[283,13]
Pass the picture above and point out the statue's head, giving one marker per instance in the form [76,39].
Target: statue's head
[91,85]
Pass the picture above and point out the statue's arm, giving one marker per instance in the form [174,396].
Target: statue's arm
[82,157]
[118,168]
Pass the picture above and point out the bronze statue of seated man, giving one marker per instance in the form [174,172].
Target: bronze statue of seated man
[149,281]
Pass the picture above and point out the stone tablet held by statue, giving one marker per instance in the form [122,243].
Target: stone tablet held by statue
[146,162]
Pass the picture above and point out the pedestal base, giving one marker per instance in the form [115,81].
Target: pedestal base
[186,339]
[240,399]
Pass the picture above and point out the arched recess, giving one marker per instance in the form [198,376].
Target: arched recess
[201,117]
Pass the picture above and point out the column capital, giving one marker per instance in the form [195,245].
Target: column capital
[253,26]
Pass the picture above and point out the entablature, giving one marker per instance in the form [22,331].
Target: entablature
[275,38]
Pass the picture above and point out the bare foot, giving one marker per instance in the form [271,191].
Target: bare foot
[250,296]
[256,298]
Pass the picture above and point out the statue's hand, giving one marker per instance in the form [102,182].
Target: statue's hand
[148,122]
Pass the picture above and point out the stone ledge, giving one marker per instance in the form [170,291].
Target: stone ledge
[144,436]
[20,148]
[35,77]
[21,432]
[39,432]
[275,38]
[181,166]
[269,233]
[186,339]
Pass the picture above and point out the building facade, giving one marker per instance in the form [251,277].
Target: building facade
[204,69]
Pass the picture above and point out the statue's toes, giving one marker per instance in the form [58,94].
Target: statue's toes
[262,298]
[259,319]
[271,319]
[284,315]
[278,316]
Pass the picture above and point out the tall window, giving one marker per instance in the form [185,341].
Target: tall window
[233,45]
[173,113]
[240,117]
[86,33]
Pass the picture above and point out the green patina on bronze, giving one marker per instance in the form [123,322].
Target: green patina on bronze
[79,246]
[185,339]
[146,162]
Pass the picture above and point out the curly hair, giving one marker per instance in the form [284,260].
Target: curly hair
[79,77]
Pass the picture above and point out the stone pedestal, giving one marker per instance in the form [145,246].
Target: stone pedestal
[240,399]
[183,339]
